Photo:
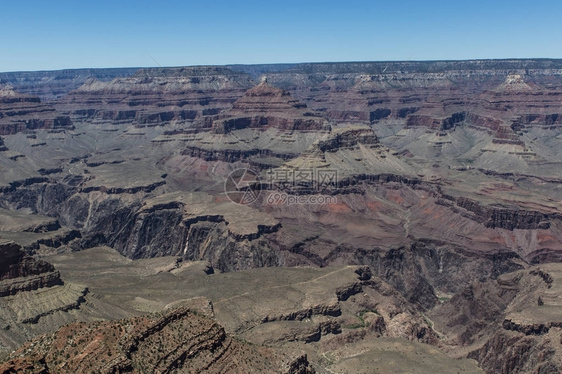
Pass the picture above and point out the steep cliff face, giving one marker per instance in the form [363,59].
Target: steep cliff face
[427,269]
[20,112]
[266,106]
[450,183]
[502,111]
[509,219]
[264,98]
[191,226]
[176,341]
[374,91]
[20,272]
[174,229]
[515,353]
[33,297]
[264,128]
[157,97]
[511,324]
[348,139]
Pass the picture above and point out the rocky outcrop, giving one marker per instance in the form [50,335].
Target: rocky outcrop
[233,155]
[474,308]
[22,112]
[264,98]
[177,341]
[301,332]
[504,218]
[224,126]
[157,97]
[515,83]
[54,240]
[509,353]
[376,91]
[266,106]
[75,297]
[440,120]
[323,309]
[348,139]
[123,190]
[20,272]
[33,282]
[16,264]
[530,329]
[547,278]
[507,329]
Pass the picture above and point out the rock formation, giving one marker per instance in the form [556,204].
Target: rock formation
[176,341]
[156,97]
[51,85]
[20,112]
[266,106]
[516,316]
[20,272]
[266,126]
[436,181]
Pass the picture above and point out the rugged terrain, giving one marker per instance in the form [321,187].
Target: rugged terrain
[305,314]
[178,341]
[439,205]
[20,112]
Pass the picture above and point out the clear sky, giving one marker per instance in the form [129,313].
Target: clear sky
[45,35]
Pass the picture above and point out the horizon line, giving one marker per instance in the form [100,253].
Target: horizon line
[285,63]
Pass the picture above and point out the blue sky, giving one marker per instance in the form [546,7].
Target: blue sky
[45,35]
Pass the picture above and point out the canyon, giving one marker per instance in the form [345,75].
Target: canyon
[440,246]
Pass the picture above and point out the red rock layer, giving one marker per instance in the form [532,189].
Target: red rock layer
[155,97]
[176,342]
[266,106]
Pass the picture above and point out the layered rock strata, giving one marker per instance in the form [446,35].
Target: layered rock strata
[20,112]
[176,341]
